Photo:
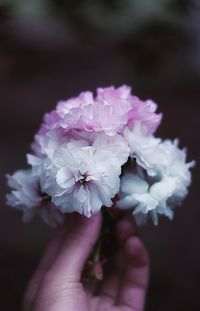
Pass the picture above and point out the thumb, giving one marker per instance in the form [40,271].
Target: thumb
[78,242]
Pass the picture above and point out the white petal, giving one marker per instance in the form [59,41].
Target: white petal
[64,178]
[95,200]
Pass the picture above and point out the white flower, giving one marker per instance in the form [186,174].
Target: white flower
[92,166]
[26,196]
[81,179]
[150,199]
[115,144]
[142,146]
[48,144]
[45,145]
[25,189]
[166,182]
[159,158]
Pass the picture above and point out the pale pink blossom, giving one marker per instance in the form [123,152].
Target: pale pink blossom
[110,112]
[111,109]
[144,112]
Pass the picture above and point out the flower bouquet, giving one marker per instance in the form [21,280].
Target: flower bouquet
[93,153]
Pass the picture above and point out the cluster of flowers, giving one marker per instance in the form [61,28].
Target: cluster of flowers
[99,151]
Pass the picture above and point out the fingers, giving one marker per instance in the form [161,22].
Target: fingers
[110,286]
[78,242]
[125,283]
[135,280]
[45,264]
[125,228]
[111,283]
[65,255]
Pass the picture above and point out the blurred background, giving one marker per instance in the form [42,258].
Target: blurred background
[53,49]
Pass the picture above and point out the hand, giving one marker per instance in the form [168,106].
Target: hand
[57,286]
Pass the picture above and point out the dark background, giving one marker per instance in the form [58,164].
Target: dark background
[51,50]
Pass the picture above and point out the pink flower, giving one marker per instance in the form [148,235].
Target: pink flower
[111,109]
[70,114]
[143,112]
[107,113]
[110,112]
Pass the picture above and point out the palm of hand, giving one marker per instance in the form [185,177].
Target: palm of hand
[57,286]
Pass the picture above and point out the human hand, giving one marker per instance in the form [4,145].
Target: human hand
[57,285]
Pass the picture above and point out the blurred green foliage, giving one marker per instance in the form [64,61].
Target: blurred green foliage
[116,17]
[120,17]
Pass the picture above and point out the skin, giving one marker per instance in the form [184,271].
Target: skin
[57,285]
